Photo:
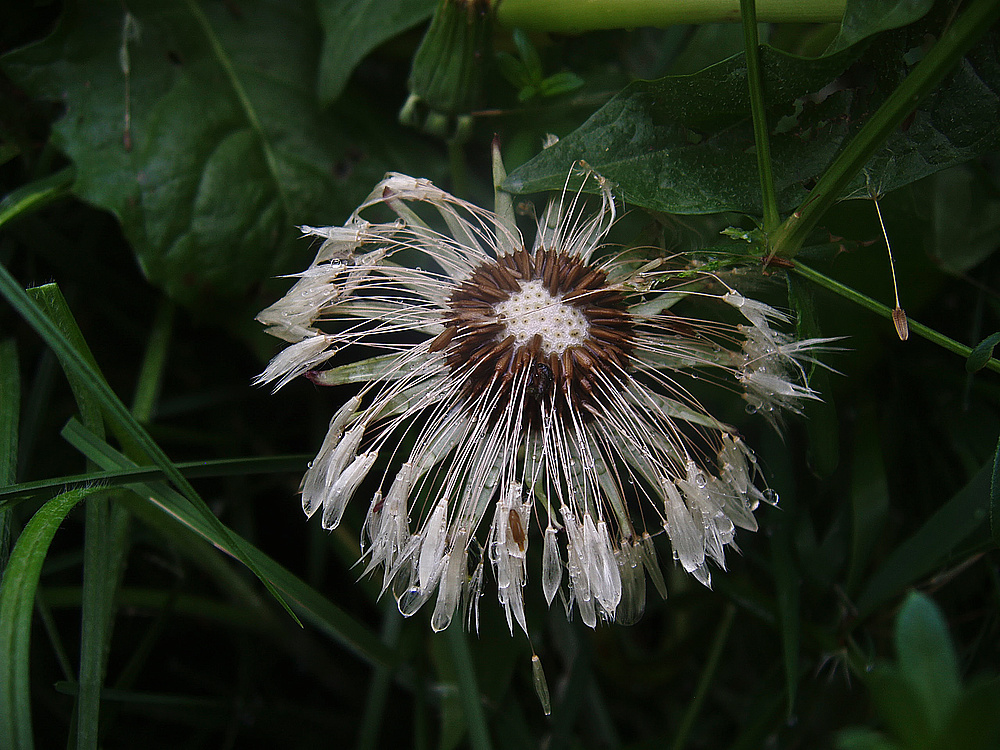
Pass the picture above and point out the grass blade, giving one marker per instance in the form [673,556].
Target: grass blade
[469,697]
[17,597]
[105,541]
[995,498]
[36,194]
[929,547]
[305,600]
[10,410]
[119,416]
[222,467]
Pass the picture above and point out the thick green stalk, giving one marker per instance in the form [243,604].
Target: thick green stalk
[955,41]
[586,15]
[886,312]
[760,129]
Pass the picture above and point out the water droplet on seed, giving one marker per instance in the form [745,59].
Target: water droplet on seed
[770,496]
[410,601]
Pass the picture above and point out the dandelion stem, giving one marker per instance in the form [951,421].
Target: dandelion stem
[707,675]
[886,312]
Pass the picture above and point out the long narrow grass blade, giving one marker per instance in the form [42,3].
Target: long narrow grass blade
[472,706]
[119,416]
[224,467]
[374,717]
[105,540]
[305,600]
[995,498]
[17,598]
[153,362]
[35,195]
[930,546]
[10,411]
[707,676]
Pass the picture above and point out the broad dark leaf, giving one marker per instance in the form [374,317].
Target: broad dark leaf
[684,144]
[862,18]
[212,147]
[353,28]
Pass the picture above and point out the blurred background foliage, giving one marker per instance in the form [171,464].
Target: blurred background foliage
[156,157]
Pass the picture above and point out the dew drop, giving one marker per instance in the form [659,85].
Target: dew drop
[751,409]
[410,601]
[770,496]
[700,480]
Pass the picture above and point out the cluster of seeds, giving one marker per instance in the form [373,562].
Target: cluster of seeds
[545,316]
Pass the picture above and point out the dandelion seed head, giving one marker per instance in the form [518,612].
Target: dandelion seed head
[521,391]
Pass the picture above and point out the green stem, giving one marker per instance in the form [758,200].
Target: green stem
[955,41]
[707,675]
[760,130]
[886,312]
[573,15]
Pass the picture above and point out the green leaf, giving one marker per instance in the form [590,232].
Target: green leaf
[560,83]
[975,722]
[353,28]
[664,142]
[930,546]
[529,55]
[965,218]
[927,659]
[899,708]
[105,533]
[863,739]
[226,467]
[981,353]
[17,600]
[863,18]
[212,146]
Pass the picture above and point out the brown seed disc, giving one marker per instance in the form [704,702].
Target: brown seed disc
[496,368]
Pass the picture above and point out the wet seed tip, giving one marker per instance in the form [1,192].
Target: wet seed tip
[899,320]
[541,686]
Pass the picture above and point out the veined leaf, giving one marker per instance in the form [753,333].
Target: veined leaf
[684,144]
[197,125]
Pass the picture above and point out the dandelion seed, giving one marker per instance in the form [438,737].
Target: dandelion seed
[538,391]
